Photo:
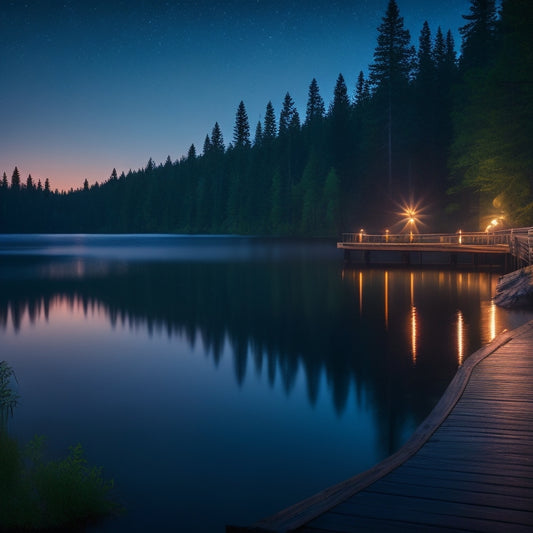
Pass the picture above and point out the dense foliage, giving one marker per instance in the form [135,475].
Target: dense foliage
[425,127]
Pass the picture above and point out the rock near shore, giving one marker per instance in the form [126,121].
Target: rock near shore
[515,289]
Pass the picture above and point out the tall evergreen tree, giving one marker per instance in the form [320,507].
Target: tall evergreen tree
[258,137]
[315,104]
[286,116]
[478,34]
[269,128]
[362,90]
[241,130]
[391,71]
[425,67]
[340,135]
[207,145]
[29,183]
[340,106]
[4,183]
[439,49]
[217,140]
[15,180]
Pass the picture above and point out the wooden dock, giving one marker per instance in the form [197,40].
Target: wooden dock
[468,467]
[511,248]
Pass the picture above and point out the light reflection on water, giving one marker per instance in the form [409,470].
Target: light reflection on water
[247,375]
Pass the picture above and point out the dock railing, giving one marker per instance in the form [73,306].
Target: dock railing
[519,240]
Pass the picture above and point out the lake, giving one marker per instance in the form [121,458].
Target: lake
[220,379]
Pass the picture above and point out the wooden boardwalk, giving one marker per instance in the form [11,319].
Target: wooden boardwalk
[468,467]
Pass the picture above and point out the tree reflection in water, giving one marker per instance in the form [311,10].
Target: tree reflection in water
[391,335]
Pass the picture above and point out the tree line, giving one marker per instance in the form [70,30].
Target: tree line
[445,129]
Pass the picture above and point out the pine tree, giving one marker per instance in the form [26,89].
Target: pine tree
[207,145]
[340,133]
[450,58]
[439,50]
[393,55]
[315,104]
[191,154]
[258,138]
[47,186]
[269,128]
[217,140]
[114,176]
[286,116]
[362,90]
[15,180]
[391,71]
[340,106]
[150,166]
[241,130]
[425,66]
[478,34]
[86,185]
[29,183]
[4,181]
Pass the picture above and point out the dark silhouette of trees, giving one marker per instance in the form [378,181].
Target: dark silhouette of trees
[491,159]
[419,127]
[478,34]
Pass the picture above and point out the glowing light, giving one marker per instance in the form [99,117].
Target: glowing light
[493,223]
[411,217]
[460,236]
[386,300]
[361,233]
[360,293]
[413,320]
[413,334]
[492,320]
[460,338]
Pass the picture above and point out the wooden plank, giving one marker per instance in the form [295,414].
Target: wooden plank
[431,512]
[443,475]
[454,494]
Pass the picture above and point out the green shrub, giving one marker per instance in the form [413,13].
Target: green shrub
[36,494]
[39,494]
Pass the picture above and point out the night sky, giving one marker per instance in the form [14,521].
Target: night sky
[91,85]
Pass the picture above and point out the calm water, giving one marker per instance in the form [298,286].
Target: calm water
[218,380]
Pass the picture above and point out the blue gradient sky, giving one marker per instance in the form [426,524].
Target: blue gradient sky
[92,85]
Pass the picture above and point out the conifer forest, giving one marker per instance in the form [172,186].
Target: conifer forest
[444,125]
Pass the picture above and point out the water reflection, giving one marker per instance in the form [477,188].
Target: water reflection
[279,317]
[235,352]
[460,338]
